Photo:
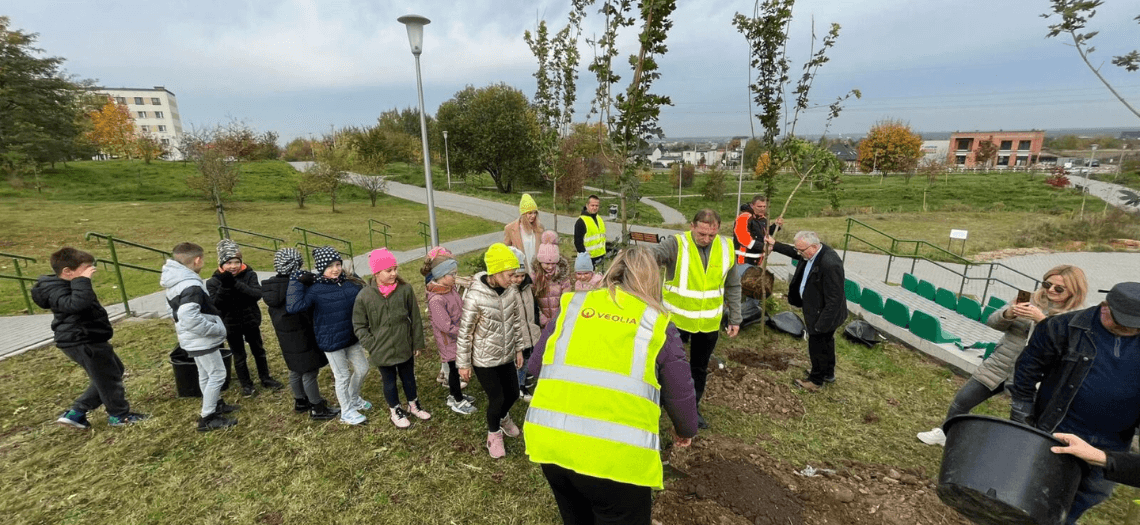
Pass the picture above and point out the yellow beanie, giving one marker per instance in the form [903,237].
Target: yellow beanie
[527,204]
[499,258]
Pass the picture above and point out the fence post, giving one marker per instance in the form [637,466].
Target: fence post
[308,252]
[846,237]
[989,277]
[24,287]
[119,275]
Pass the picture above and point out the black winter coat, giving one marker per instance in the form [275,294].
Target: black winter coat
[294,331]
[79,318]
[237,304]
[824,302]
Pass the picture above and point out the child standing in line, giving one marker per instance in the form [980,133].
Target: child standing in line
[551,278]
[585,278]
[386,319]
[235,290]
[446,309]
[425,270]
[490,342]
[200,330]
[82,331]
[528,315]
[331,295]
[298,343]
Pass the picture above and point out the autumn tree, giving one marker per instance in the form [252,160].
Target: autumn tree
[216,178]
[890,146]
[986,152]
[492,129]
[583,156]
[1074,16]
[148,148]
[113,129]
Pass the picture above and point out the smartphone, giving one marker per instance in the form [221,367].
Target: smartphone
[1022,297]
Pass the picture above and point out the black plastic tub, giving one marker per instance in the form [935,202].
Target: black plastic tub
[997,472]
[186,372]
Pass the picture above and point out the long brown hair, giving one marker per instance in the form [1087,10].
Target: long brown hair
[1075,284]
[636,271]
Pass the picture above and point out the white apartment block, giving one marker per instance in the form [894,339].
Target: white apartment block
[155,111]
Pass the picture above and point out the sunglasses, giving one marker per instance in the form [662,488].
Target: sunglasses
[1056,287]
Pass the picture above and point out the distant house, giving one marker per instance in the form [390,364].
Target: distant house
[935,149]
[1015,148]
[650,154]
[668,160]
[1130,135]
[847,154]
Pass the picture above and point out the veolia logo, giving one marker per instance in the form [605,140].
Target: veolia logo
[589,313]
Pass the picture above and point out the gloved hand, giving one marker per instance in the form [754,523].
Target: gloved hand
[227,279]
[306,278]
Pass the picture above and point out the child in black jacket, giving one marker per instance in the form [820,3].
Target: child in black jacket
[82,331]
[235,291]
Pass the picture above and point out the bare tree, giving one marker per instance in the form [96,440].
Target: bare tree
[374,185]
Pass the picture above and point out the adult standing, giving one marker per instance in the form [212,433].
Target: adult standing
[1087,363]
[611,360]
[699,285]
[817,288]
[526,232]
[590,231]
[749,230]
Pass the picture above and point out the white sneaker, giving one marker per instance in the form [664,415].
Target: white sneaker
[934,437]
[352,417]
[462,407]
[525,397]
[361,404]
[415,410]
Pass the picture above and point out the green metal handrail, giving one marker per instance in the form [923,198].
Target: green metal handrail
[383,232]
[117,266]
[224,233]
[305,242]
[425,232]
[19,277]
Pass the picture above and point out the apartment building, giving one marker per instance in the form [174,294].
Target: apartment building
[155,111]
[1014,148]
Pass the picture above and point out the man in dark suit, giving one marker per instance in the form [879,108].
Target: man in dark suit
[817,287]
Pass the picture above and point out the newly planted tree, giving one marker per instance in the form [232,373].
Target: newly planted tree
[1075,15]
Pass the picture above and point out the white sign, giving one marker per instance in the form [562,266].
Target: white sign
[958,234]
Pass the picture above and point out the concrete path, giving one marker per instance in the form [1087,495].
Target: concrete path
[1120,196]
[668,215]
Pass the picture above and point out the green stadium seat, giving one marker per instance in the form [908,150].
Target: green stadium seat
[946,298]
[970,308]
[853,291]
[996,303]
[872,301]
[896,313]
[795,262]
[989,310]
[926,289]
[990,347]
[910,282]
[929,327]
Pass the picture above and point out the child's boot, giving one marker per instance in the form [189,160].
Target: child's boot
[509,427]
[215,421]
[223,408]
[399,417]
[495,444]
[301,405]
[414,408]
[322,412]
[267,381]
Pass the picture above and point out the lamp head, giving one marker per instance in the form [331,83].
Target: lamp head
[445,134]
[415,24]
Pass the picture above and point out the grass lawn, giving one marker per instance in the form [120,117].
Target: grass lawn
[278,467]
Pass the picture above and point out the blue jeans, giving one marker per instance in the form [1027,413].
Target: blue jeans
[1093,488]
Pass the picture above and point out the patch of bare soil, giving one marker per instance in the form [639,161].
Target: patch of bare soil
[750,391]
[1008,252]
[721,481]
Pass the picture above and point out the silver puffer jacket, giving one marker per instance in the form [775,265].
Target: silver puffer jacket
[490,331]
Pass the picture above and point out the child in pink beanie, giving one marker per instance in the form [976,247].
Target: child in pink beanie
[551,278]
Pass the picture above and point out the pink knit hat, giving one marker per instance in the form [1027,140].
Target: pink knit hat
[381,259]
[548,250]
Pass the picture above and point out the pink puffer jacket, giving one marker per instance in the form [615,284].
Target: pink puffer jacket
[549,302]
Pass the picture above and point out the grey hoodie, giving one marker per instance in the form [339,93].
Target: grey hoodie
[196,321]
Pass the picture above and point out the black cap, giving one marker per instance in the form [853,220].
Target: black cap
[1124,300]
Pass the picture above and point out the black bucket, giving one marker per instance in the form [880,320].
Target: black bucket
[186,372]
[997,472]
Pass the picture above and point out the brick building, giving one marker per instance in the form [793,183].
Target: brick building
[1015,148]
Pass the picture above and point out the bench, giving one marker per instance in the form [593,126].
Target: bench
[650,238]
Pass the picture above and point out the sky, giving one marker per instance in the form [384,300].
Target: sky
[301,67]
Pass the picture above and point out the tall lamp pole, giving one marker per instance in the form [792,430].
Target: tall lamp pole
[447,156]
[415,25]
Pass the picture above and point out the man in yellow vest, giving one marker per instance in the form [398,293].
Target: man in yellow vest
[699,285]
[590,231]
[606,367]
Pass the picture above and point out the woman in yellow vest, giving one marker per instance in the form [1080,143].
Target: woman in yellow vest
[609,363]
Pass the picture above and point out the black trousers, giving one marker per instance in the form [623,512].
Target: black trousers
[586,500]
[501,383]
[701,346]
[407,373]
[236,337]
[105,373]
[821,350]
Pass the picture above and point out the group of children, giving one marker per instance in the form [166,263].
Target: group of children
[485,325]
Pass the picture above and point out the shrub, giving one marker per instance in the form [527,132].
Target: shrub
[714,185]
[1058,180]
[688,173]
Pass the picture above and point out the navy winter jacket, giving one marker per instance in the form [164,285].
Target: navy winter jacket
[79,318]
[332,310]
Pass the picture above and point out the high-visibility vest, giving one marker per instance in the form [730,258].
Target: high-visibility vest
[595,238]
[596,409]
[695,294]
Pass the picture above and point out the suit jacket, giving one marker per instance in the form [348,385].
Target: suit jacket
[823,301]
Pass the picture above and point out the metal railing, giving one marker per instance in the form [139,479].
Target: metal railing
[425,232]
[305,242]
[384,232]
[19,277]
[117,266]
[224,233]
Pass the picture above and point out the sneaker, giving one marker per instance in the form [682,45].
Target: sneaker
[934,437]
[495,444]
[74,418]
[361,404]
[399,417]
[129,418]
[301,405]
[525,396]
[224,408]
[415,410]
[462,407]
[462,384]
[352,417]
[509,427]
[272,384]
[807,385]
[322,412]
[248,391]
[441,378]
[215,421]
[701,423]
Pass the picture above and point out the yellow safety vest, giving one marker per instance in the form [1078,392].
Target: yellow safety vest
[596,409]
[695,294]
[595,238]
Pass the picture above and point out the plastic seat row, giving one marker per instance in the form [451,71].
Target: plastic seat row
[967,307]
[921,323]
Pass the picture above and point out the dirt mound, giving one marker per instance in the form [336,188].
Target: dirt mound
[752,392]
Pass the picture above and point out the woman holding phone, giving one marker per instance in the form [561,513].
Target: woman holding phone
[1062,289]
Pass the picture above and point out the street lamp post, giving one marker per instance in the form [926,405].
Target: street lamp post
[415,25]
[1088,170]
[447,157]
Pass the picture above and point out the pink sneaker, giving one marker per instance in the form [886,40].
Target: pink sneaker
[509,427]
[495,445]
[399,418]
[415,410]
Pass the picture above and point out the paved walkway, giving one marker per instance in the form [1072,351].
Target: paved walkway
[669,215]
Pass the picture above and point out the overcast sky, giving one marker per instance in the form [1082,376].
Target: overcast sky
[300,66]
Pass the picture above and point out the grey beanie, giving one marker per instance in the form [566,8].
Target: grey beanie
[583,263]
[228,249]
[445,267]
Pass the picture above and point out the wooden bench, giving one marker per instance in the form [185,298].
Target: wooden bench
[650,238]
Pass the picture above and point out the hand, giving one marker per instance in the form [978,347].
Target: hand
[769,241]
[465,374]
[732,330]
[680,441]
[88,272]
[227,279]
[306,278]
[518,360]
[780,221]
[1078,447]
[1028,311]
[416,353]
